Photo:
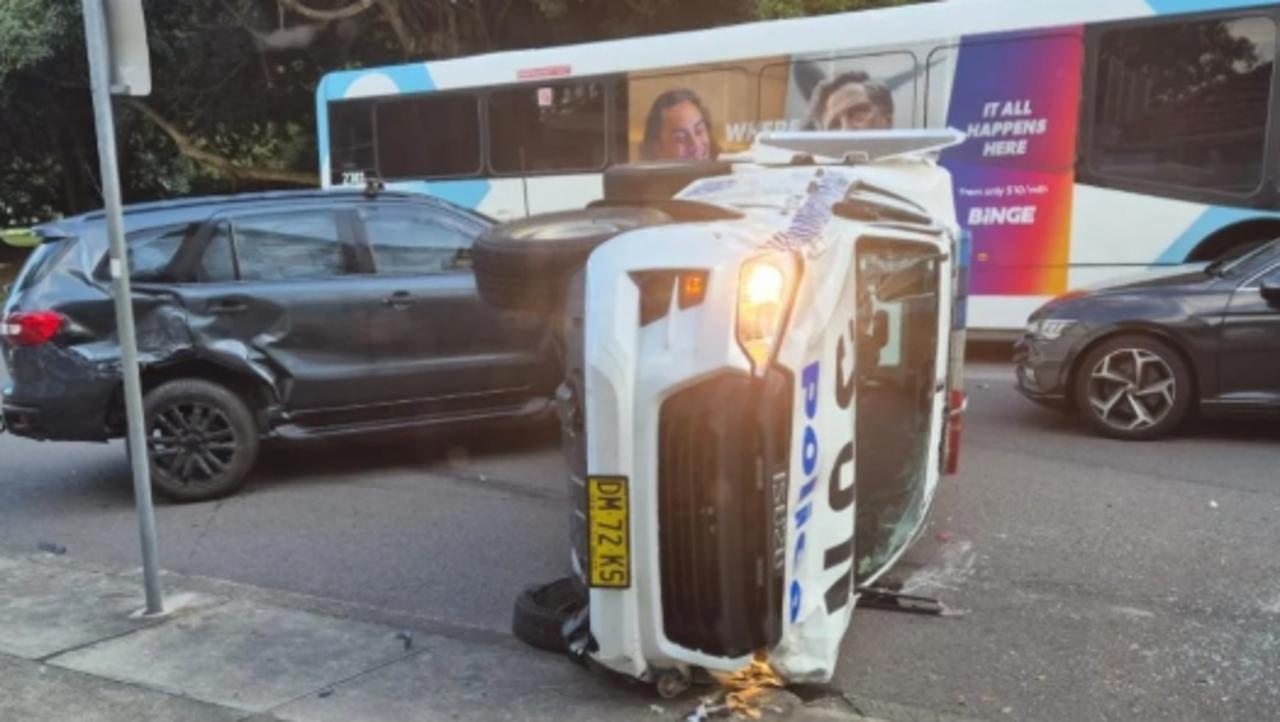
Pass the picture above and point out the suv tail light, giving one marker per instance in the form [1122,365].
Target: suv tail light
[957,402]
[31,328]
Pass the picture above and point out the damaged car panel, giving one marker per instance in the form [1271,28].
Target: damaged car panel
[302,314]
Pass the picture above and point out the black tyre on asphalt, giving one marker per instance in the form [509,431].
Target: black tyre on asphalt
[1134,387]
[201,439]
[541,612]
[524,265]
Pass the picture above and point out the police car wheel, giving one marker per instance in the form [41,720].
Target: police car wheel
[541,612]
[524,265]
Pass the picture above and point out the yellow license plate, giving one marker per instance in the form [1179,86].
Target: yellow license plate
[608,532]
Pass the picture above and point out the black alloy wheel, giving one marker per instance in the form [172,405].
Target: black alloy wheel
[201,440]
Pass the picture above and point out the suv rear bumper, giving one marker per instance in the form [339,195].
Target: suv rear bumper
[81,417]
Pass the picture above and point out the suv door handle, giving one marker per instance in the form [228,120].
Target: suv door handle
[399,299]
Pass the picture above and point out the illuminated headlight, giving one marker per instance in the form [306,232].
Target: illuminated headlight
[765,287]
[1049,328]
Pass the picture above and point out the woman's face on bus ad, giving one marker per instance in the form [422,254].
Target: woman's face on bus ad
[685,135]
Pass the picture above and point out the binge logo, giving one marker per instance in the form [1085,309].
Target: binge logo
[809,464]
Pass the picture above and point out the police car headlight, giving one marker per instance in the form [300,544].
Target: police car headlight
[766,285]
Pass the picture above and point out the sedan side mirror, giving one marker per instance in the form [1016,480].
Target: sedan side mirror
[1271,291]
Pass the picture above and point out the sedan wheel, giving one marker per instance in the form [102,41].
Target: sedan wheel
[1134,387]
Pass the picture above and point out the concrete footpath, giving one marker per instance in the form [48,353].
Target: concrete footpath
[73,647]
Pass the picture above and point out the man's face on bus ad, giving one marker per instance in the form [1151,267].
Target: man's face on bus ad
[685,134]
[851,107]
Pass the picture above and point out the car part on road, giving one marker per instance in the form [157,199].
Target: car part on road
[524,265]
[201,438]
[541,613]
[1134,387]
[894,601]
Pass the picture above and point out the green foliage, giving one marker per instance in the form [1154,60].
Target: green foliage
[768,9]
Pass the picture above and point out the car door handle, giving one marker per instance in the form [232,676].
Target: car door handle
[228,307]
[399,299]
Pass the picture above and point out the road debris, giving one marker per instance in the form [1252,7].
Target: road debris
[52,548]
[406,637]
[745,694]
[1213,504]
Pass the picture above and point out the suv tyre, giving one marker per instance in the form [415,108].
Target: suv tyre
[201,440]
[524,265]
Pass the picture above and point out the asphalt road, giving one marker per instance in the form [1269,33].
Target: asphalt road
[1093,579]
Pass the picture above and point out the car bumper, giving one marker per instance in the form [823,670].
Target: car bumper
[1042,371]
[71,418]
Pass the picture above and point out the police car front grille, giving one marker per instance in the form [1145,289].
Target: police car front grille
[717,481]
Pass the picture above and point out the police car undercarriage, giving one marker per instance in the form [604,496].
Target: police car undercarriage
[761,393]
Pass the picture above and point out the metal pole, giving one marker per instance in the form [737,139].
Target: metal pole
[95,33]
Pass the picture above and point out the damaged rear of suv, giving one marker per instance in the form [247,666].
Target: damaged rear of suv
[762,393]
[298,315]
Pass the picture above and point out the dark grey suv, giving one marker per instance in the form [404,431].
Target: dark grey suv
[297,315]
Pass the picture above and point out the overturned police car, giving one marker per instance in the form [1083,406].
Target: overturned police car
[761,360]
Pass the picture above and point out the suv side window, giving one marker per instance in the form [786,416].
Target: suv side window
[150,252]
[415,241]
[287,246]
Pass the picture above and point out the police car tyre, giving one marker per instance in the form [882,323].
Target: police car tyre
[658,180]
[201,440]
[541,612]
[523,265]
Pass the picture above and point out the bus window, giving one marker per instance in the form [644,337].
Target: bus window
[428,136]
[351,151]
[557,127]
[690,114]
[834,92]
[1185,104]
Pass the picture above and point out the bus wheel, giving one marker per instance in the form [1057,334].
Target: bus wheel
[524,265]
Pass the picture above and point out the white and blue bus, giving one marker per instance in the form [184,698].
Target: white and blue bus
[1105,137]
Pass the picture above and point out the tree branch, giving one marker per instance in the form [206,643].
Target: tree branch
[349,11]
[393,17]
[188,148]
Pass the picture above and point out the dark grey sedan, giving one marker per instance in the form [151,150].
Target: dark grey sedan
[1136,359]
[299,315]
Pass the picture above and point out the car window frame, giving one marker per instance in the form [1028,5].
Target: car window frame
[356,259]
[173,270]
[446,216]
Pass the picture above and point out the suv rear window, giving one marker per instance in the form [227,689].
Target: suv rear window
[42,259]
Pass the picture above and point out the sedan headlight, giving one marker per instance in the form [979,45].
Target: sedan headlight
[766,285]
[1049,329]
